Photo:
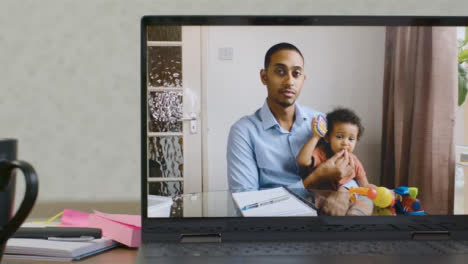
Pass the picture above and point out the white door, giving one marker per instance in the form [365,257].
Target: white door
[174,127]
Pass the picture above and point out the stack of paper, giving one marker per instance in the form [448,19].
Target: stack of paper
[125,229]
[49,250]
[122,228]
[291,206]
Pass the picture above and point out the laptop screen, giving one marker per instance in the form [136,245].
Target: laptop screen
[304,117]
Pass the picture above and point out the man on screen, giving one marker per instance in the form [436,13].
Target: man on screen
[262,147]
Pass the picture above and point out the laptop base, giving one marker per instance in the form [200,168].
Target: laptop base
[319,250]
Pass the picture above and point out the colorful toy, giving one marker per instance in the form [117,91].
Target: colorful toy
[382,197]
[406,202]
[321,127]
[389,211]
[401,200]
[369,192]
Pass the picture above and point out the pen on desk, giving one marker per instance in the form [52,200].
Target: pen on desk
[59,233]
[269,201]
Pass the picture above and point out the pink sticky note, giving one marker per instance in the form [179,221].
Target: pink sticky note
[132,220]
[126,234]
[74,218]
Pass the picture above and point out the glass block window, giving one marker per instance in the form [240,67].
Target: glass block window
[173,189]
[166,158]
[166,188]
[164,33]
[165,66]
[165,111]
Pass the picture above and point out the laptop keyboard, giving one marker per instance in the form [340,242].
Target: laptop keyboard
[322,248]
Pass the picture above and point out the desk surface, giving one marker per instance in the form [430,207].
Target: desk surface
[221,204]
[213,204]
[204,204]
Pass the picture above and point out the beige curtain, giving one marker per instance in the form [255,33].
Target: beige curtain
[420,84]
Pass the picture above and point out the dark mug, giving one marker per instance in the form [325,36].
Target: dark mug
[8,163]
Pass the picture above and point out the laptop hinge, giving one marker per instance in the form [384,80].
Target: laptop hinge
[201,238]
[430,235]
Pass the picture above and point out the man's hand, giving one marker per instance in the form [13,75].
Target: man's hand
[328,174]
[345,164]
[337,203]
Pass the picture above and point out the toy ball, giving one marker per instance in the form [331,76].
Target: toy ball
[321,127]
[384,197]
[372,194]
[416,205]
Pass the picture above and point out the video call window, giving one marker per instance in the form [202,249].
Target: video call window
[402,83]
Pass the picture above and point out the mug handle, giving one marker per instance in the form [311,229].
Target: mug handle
[29,197]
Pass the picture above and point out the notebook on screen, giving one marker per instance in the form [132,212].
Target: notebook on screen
[353,116]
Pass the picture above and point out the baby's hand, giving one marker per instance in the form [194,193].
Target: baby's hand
[314,124]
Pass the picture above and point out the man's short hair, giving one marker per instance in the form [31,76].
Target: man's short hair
[278,47]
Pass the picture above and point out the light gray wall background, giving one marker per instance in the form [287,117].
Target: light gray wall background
[69,81]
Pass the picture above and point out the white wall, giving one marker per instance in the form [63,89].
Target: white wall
[69,81]
[343,65]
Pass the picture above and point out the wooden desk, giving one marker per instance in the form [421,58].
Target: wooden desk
[117,255]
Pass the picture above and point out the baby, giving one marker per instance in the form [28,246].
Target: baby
[344,130]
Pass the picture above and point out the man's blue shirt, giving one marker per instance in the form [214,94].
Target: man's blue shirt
[261,154]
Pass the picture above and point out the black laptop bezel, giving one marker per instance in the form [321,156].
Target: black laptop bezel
[289,228]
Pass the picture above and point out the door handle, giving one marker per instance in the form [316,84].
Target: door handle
[193,122]
[187,119]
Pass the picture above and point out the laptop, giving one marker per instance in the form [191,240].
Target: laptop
[216,141]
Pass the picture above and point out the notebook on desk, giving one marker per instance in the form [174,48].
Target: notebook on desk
[49,250]
[204,80]
[271,202]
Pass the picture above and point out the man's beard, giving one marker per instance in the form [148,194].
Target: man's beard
[285,104]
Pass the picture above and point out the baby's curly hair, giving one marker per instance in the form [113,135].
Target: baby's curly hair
[344,115]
